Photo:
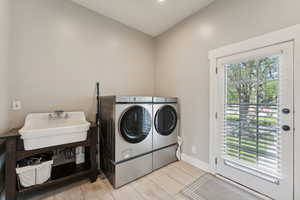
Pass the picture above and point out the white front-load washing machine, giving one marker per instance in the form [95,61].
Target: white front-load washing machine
[165,130]
[126,138]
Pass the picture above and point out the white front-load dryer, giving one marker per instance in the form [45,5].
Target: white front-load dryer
[126,138]
[165,130]
[133,130]
[165,122]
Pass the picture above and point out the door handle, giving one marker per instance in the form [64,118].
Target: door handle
[286,128]
[285,110]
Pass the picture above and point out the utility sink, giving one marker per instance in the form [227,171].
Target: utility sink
[44,130]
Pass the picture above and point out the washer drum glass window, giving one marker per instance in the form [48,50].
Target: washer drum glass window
[165,120]
[135,124]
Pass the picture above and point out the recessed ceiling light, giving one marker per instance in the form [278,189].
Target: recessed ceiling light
[161,1]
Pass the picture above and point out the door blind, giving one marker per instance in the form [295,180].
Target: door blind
[251,114]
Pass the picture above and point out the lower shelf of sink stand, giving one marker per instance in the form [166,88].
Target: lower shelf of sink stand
[60,175]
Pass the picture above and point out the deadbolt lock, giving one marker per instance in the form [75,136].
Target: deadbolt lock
[286,128]
[286,111]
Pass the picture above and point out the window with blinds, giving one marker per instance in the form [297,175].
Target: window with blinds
[251,128]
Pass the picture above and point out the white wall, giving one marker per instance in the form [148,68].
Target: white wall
[4,46]
[4,97]
[182,66]
[61,49]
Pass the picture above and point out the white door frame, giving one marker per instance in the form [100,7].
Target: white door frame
[284,35]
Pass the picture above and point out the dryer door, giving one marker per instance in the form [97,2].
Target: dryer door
[135,124]
[165,120]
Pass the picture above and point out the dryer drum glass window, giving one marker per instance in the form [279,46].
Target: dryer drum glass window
[165,120]
[135,124]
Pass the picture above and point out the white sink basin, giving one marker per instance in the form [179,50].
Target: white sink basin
[41,131]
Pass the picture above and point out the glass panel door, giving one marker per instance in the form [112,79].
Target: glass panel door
[252,134]
[256,123]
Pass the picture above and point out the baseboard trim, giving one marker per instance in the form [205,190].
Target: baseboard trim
[197,163]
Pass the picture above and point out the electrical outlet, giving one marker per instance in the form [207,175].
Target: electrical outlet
[194,149]
[16,105]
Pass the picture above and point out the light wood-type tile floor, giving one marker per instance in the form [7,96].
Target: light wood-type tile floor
[163,184]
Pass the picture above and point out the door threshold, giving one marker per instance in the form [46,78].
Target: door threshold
[258,194]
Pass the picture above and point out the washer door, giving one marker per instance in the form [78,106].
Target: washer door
[165,120]
[135,124]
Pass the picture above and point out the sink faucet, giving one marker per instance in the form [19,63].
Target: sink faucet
[58,114]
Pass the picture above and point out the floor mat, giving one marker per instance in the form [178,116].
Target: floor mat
[209,187]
